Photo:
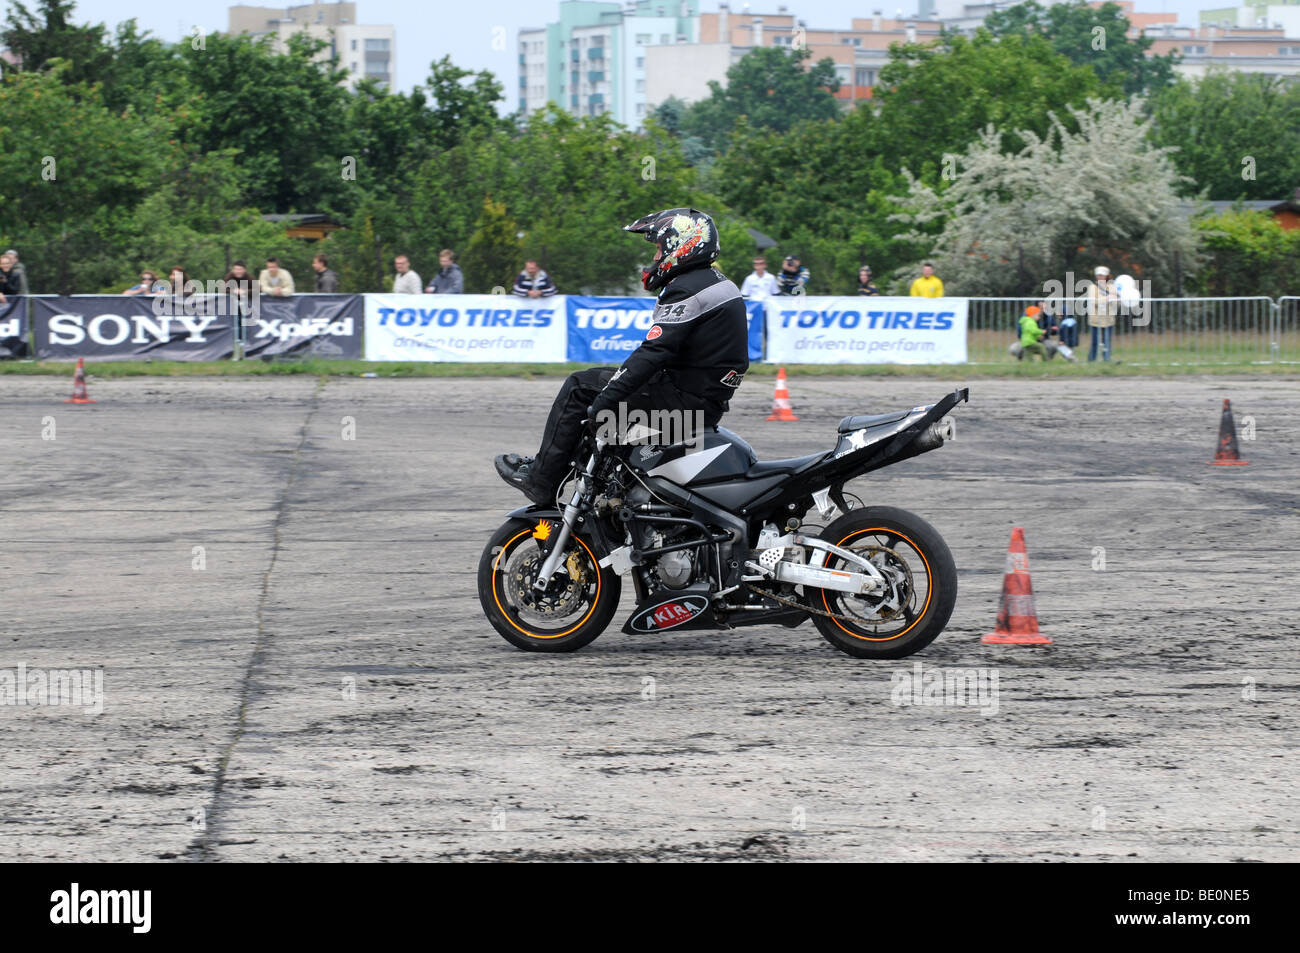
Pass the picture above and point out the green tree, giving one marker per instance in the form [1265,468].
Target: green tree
[1096,37]
[822,191]
[283,112]
[771,88]
[492,257]
[935,99]
[1248,253]
[458,106]
[38,38]
[1237,134]
[71,171]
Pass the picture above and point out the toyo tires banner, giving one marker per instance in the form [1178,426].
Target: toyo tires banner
[606,330]
[474,328]
[875,330]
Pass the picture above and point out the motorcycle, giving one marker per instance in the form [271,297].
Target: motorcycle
[713,538]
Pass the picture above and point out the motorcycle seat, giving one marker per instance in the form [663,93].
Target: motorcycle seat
[862,421]
[790,465]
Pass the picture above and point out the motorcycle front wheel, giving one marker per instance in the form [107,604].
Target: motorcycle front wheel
[574,609]
[920,590]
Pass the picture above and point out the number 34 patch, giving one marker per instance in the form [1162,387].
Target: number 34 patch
[654,332]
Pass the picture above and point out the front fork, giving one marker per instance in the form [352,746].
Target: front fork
[571,511]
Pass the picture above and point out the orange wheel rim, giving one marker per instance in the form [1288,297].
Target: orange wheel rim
[929,586]
[496,570]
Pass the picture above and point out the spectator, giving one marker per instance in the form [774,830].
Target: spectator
[147,285]
[11,281]
[327,282]
[177,282]
[760,285]
[274,280]
[18,272]
[407,280]
[865,285]
[1103,305]
[448,280]
[241,288]
[928,285]
[793,280]
[532,282]
[1031,334]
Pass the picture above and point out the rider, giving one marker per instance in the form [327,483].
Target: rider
[692,359]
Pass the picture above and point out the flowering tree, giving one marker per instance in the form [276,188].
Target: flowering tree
[1066,202]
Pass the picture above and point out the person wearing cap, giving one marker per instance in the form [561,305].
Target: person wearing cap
[1031,334]
[793,280]
[928,285]
[1103,305]
[865,285]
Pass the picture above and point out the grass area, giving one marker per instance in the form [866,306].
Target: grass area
[338,368]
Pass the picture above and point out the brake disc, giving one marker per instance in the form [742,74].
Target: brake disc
[562,597]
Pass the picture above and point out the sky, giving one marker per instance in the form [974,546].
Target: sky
[466,29]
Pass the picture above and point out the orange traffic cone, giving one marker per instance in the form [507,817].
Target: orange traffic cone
[1017,619]
[1228,455]
[781,409]
[79,395]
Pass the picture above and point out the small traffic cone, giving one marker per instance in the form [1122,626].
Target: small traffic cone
[79,395]
[781,409]
[1017,619]
[1227,455]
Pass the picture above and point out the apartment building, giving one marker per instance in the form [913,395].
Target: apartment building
[593,61]
[364,51]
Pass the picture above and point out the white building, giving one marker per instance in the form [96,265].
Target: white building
[365,52]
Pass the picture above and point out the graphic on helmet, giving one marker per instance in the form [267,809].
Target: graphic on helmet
[686,238]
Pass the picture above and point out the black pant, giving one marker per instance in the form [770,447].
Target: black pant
[563,430]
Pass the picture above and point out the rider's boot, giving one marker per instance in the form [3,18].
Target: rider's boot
[517,471]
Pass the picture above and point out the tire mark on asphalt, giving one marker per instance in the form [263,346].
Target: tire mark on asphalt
[203,847]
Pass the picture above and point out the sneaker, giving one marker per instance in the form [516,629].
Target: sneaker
[517,471]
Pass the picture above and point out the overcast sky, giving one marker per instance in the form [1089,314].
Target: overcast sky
[465,29]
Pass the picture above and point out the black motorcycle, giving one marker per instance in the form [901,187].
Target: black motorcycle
[714,539]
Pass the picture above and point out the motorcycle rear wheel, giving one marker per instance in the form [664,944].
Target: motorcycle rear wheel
[923,585]
[576,607]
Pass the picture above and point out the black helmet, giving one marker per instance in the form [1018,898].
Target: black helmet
[687,238]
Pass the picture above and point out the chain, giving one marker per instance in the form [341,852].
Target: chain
[800,605]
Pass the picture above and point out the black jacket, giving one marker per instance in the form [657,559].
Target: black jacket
[327,282]
[699,342]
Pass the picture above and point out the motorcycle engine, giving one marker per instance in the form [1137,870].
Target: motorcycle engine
[676,569]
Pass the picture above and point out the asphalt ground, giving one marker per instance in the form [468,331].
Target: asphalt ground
[275,579]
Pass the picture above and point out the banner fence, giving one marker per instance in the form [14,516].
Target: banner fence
[603,330]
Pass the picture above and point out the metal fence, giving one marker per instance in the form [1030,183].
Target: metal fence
[1156,331]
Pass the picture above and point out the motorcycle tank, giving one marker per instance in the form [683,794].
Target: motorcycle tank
[721,455]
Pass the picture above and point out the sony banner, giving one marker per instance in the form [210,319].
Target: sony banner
[875,330]
[606,330]
[13,327]
[198,328]
[315,325]
[469,328]
[117,328]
